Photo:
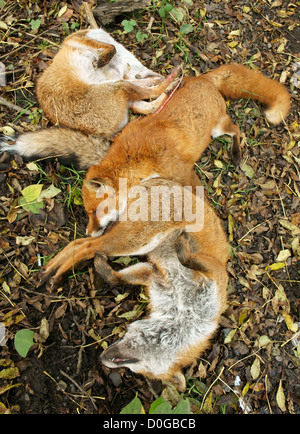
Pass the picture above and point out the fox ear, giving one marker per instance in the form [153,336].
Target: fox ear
[93,184]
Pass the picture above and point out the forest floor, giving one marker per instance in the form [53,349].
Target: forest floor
[253,363]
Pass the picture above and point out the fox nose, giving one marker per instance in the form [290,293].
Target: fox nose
[114,355]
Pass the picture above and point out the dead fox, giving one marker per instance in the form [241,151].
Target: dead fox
[185,274]
[186,301]
[166,145]
[170,142]
[89,88]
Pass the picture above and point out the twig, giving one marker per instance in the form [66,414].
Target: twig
[255,227]
[89,15]
[210,387]
[12,106]
[81,389]
[62,390]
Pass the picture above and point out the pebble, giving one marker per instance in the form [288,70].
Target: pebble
[115,378]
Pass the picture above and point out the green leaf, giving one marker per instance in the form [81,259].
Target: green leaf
[164,408]
[164,10]
[186,28]
[128,25]
[134,407]
[32,192]
[23,341]
[178,14]
[184,407]
[31,207]
[49,193]
[155,404]
[35,24]
[140,36]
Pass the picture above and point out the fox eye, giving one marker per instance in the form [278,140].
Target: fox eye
[95,212]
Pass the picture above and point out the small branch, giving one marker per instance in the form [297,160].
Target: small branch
[89,15]
[12,106]
[81,389]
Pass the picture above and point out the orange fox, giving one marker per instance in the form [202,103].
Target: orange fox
[185,274]
[89,88]
[187,290]
[93,81]
[168,144]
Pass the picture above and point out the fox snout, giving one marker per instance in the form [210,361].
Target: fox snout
[116,357]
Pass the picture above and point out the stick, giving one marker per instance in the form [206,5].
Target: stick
[12,106]
[89,15]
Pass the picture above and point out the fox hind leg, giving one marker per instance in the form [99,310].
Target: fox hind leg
[137,274]
[227,127]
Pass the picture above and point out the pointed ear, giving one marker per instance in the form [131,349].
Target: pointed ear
[93,184]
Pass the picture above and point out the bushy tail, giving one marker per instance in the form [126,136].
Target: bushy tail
[237,81]
[69,146]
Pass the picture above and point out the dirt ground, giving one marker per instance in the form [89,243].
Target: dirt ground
[252,365]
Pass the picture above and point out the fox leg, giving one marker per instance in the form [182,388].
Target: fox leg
[116,242]
[137,92]
[145,107]
[227,127]
[137,274]
[83,42]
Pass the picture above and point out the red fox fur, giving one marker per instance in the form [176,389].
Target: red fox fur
[185,275]
[195,113]
[169,143]
[155,150]
[88,89]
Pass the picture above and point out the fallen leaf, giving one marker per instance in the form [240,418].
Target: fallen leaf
[44,329]
[61,310]
[7,131]
[288,225]
[48,193]
[255,368]
[128,315]
[283,255]
[280,398]
[248,170]
[275,267]
[24,241]
[230,335]
[9,373]
[232,44]
[289,322]
[262,341]
[32,192]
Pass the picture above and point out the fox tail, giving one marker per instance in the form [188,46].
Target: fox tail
[237,81]
[69,146]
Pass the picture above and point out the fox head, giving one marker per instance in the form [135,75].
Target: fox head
[100,200]
[140,351]
[105,194]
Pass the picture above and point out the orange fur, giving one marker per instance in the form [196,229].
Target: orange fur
[71,101]
[167,144]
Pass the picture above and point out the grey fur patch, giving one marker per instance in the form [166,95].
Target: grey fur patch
[184,312]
